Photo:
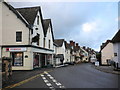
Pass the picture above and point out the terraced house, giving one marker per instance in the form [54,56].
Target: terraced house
[27,38]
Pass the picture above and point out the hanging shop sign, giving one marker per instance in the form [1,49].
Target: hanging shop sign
[16,49]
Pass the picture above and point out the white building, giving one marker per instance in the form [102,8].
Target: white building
[60,49]
[67,52]
[23,37]
[107,52]
[116,46]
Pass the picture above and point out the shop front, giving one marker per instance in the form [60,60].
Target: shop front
[21,57]
[27,58]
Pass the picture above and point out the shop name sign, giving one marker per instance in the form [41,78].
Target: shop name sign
[16,49]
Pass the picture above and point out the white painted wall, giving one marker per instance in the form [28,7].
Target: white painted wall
[61,50]
[117,50]
[67,55]
[39,31]
[49,37]
[10,25]
[107,53]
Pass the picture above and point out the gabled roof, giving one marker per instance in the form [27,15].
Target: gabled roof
[59,42]
[46,23]
[67,46]
[104,44]
[17,14]
[29,13]
[76,48]
[116,38]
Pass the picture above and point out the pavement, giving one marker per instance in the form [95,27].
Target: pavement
[107,69]
[18,76]
[73,76]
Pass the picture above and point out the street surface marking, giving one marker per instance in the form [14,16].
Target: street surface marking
[47,82]
[55,81]
[25,81]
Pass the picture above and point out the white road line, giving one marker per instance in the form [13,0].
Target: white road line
[51,77]
[42,75]
[44,78]
[59,84]
[61,87]
[55,81]
[47,83]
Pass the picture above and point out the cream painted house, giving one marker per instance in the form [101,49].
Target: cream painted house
[107,53]
[23,37]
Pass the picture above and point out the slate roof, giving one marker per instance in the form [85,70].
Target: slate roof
[46,23]
[104,44]
[67,46]
[29,13]
[76,48]
[17,14]
[59,42]
[116,38]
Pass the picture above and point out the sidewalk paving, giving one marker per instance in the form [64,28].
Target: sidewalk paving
[18,76]
[107,69]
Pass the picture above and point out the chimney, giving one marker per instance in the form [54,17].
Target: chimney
[76,44]
[84,47]
[71,43]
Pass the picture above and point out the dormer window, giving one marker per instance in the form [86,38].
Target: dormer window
[37,20]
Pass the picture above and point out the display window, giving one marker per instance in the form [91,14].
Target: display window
[17,58]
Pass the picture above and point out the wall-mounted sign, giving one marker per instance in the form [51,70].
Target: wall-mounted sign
[26,56]
[17,49]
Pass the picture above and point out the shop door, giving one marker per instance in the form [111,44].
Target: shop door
[36,61]
[42,60]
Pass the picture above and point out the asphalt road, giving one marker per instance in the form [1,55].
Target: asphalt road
[77,76]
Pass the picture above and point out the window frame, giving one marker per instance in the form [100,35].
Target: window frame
[13,59]
[18,38]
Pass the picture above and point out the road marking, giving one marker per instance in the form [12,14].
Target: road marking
[55,81]
[44,78]
[42,75]
[25,81]
[47,82]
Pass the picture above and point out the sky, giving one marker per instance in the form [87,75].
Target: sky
[88,23]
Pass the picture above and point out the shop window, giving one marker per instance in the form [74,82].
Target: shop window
[18,36]
[17,58]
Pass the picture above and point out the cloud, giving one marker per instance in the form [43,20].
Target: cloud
[88,27]
[89,24]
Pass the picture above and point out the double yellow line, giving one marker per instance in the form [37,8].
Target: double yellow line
[25,81]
